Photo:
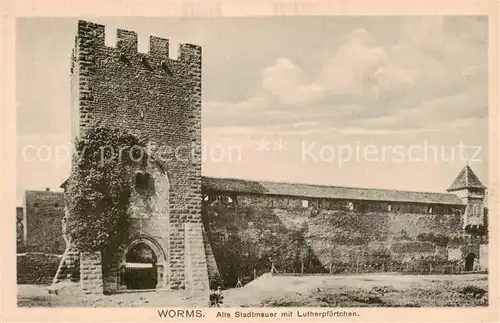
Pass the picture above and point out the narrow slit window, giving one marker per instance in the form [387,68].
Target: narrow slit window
[350,206]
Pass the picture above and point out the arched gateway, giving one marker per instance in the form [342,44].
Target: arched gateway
[470,262]
[143,266]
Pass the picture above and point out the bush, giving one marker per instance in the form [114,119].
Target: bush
[36,268]
[474,291]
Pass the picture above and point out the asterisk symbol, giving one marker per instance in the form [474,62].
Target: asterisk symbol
[279,145]
[263,145]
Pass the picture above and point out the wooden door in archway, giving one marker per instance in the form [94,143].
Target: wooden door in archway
[469,262]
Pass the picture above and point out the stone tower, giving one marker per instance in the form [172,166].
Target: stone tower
[472,192]
[158,99]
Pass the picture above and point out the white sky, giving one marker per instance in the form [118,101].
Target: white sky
[309,82]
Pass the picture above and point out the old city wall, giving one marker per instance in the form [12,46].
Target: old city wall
[247,230]
[20,229]
[244,233]
[44,211]
[156,98]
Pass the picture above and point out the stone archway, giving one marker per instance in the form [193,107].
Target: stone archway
[143,266]
[140,267]
[470,262]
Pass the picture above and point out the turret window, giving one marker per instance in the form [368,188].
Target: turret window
[143,182]
[475,210]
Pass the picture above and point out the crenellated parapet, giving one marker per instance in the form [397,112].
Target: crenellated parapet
[91,36]
[115,77]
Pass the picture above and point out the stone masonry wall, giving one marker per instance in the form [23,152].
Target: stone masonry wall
[483,257]
[19,229]
[195,261]
[154,97]
[252,230]
[44,213]
[91,273]
[71,267]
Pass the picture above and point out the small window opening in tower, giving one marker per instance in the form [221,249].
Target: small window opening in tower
[138,180]
[143,182]
[141,114]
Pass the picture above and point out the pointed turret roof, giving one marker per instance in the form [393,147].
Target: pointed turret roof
[466,179]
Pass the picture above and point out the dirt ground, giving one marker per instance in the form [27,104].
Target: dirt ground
[71,296]
[369,290]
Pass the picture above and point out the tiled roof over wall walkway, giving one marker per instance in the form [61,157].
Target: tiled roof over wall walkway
[321,191]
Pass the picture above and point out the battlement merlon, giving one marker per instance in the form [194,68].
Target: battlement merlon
[93,35]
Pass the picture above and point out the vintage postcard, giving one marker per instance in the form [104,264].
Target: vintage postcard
[250,161]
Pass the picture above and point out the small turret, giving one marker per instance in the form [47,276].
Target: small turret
[472,192]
